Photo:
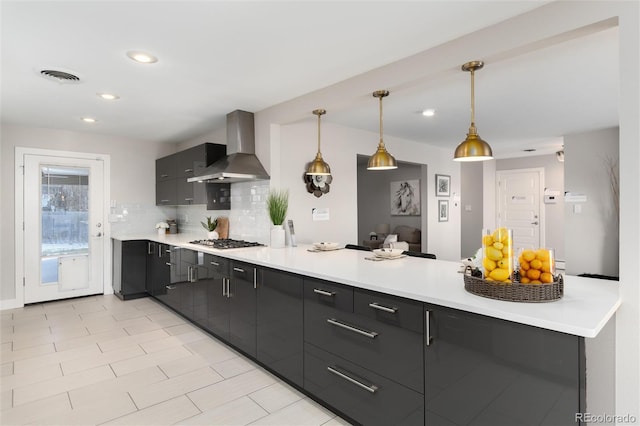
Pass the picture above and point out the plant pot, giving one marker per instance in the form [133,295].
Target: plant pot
[277,236]
[162,231]
[213,235]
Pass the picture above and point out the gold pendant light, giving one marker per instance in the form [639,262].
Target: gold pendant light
[473,148]
[318,166]
[381,160]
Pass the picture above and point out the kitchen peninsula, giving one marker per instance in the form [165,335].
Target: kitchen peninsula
[392,342]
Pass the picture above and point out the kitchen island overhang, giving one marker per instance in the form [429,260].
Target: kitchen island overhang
[588,303]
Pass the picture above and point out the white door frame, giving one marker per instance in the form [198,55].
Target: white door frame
[540,171]
[19,214]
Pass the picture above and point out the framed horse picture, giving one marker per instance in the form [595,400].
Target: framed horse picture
[405,198]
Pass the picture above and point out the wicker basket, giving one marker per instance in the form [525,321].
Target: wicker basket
[515,292]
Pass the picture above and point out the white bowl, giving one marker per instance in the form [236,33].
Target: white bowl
[388,252]
[325,246]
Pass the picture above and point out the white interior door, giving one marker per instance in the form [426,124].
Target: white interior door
[518,198]
[63,227]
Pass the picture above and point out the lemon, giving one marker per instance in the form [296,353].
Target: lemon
[499,274]
[493,253]
[500,234]
[504,263]
[489,265]
[487,240]
[498,245]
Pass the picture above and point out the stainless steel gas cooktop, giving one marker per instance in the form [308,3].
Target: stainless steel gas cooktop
[225,243]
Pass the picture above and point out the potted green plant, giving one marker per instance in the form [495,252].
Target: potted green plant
[277,204]
[211,226]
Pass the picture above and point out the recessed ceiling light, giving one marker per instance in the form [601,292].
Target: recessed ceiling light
[88,119]
[108,96]
[142,57]
[429,112]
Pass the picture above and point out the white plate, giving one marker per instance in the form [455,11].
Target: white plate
[326,246]
[388,252]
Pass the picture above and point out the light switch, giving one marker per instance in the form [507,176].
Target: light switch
[467,207]
[577,208]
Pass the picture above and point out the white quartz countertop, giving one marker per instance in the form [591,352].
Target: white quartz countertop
[586,307]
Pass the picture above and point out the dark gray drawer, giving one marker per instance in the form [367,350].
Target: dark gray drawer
[328,294]
[217,265]
[390,350]
[243,271]
[366,397]
[388,309]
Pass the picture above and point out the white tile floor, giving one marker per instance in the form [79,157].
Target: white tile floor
[99,360]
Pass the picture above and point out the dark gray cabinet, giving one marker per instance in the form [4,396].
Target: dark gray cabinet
[242,309]
[218,304]
[279,323]
[485,371]
[173,171]
[129,269]
[158,272]
[367,342]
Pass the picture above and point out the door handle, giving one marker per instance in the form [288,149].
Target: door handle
[99,234]
[534,223]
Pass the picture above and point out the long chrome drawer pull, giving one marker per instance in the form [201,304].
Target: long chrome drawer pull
[238,269]
[369,388]
[323,292]
[170,287]
[167,263]
[215,263]
[370,334]
[375,305]
[427,330]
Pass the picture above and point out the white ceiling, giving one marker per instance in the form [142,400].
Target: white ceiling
[215,57]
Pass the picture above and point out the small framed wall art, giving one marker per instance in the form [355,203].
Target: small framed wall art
[443,210]
[443,185]
[405,198]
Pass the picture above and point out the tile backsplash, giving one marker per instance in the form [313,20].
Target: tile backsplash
[248,217]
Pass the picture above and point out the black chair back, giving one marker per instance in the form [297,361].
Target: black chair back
[355,247]
[419,254]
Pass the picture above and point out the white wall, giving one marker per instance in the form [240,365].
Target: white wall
[592,235]
[132,178]
[340,147]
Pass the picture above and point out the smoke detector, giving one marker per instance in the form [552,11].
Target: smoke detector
[59,75]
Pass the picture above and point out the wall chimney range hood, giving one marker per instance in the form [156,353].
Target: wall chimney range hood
[241,163]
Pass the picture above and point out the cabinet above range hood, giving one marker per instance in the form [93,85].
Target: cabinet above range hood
[241,163]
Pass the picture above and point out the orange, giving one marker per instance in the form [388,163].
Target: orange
[536,264]
[536,282]
[523,273]
[542,254]
[524,280]
[524,265]
[546,266]
[533,274]
[528,255]
[546,277]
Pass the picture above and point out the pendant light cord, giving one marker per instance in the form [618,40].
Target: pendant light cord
[381,141]
[473,100]
[319,133]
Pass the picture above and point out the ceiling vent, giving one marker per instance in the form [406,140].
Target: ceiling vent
[60,76]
